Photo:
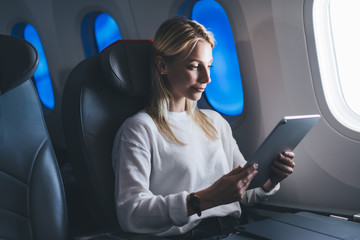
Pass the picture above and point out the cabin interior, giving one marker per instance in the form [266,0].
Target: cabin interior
[276,55]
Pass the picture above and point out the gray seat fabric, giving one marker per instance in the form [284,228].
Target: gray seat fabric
[32,202]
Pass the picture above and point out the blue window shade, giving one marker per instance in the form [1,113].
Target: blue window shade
[106,31]
[225,92]
[41,77]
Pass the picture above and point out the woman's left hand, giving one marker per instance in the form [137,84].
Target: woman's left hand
[281,167]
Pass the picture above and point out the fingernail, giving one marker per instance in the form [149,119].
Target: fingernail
[256,165]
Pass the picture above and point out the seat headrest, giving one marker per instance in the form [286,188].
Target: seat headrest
[126,65]
[18,62]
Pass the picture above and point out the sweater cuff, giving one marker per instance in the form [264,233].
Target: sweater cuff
[178,209]
[263,195]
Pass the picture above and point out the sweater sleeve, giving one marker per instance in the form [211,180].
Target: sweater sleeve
[138,209]
[258,195]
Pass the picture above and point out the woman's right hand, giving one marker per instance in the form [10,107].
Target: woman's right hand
[228,189]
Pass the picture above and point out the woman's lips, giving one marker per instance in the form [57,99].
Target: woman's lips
[199,89]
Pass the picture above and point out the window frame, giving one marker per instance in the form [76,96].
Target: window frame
[327,88]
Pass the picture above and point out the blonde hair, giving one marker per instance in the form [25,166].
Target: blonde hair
[173,37]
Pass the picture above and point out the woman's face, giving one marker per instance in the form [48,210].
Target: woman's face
[189,74]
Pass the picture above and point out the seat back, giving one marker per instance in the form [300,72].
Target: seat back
[101,92]
[32,202]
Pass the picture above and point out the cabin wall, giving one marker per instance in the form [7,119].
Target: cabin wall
[274,60]
[327,162]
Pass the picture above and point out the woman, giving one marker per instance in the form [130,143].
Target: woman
[177,166]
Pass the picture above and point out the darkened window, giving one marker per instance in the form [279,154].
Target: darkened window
[41,77]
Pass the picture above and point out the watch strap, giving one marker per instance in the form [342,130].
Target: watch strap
[194,203]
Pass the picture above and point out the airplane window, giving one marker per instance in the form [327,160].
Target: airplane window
[41,77]
[338,50]
[106,31]
[225,93]
[101,27]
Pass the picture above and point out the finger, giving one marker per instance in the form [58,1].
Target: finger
[286,160]
[284,167]
[247,171]
[242,171]
[244,182]
[248,179]
[278,174]
[235,171]
[289,154]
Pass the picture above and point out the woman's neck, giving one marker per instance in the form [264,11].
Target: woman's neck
[177,106]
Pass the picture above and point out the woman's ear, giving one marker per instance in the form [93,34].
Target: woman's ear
[161,65]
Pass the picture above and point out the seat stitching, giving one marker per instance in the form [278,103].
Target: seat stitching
[14,213]
[13,177]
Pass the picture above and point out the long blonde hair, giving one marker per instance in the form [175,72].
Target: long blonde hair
[173,37]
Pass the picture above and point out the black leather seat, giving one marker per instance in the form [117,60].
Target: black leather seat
[100,93]
[32,202]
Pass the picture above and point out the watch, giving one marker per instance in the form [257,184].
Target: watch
[194,203]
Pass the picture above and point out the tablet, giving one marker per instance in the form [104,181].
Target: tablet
[286,135]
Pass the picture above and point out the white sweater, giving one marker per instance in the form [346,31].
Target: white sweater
[153,176]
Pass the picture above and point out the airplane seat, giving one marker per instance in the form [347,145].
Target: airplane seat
[101,92]
[32,202]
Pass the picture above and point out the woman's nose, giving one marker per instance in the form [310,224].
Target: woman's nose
[205,76]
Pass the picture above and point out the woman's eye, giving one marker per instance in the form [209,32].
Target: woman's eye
[193,66]
[199,66]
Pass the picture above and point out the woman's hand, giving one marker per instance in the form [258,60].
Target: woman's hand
[229,188]
[281,167]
